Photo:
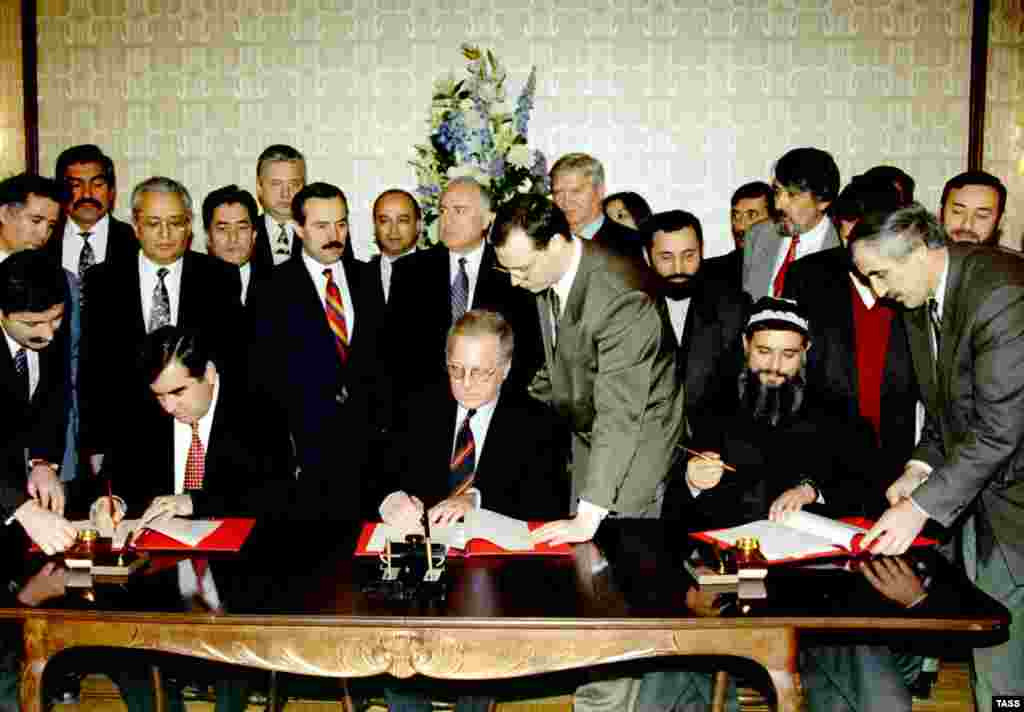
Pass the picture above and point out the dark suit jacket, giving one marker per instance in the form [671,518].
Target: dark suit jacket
[330,409]
[821,284]
[37,425]
[262,252]
[111,387]
[247,460]
[709,356]
[974,434]
[727,268]
[121,241]
[420,316]
[619,238]
[520,473]
[612,377]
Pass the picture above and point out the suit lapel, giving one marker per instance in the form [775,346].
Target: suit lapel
[185,308]
[134,288]
[10,379]
[919,338]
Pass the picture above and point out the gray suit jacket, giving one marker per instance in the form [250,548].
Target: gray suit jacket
[974,433]
[612,377]
[761,252]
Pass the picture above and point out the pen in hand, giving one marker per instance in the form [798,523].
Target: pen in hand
[705,458]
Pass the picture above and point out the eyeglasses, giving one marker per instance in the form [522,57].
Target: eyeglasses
[458,372]
[175,224]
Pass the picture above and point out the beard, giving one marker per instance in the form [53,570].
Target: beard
[968,235]
[769,403]
[671,288]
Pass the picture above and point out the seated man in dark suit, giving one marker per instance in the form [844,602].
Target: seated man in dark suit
[33,295]
[706,316]
[505,444]
[578,188]
[229,219]
[789,453]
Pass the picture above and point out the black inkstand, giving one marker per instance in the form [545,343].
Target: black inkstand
[411,570]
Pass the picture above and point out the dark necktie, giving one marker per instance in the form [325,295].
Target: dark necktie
[460,292]
[87,257]
[780,278]
[463,463]
[336,316]
[936,322]
[160,314]
[21,370]
[556,312]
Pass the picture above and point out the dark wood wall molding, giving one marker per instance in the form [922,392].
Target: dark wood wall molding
[30,77]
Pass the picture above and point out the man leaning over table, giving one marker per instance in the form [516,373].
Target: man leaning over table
[610,375]
[505,444]
[781,438]
[964,312]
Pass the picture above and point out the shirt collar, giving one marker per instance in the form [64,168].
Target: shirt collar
[866,295]
[564,284]
[590,229]
[394,258]
[96,232]
[316,269]
[12,345]
[149,268]
[483,413]
[473,259]
[272,226]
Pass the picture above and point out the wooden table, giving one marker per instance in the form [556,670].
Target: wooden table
[302,611]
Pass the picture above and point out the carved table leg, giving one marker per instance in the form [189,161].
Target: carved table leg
[36,657]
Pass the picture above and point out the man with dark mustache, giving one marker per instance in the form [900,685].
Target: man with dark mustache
[706,315]
[89,234]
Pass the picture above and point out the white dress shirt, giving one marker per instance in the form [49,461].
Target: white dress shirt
[73,242]
[245,273]
[387,267]
[473,260]
[810,242]
[33,362]
[677,311]
[316,273]
[183,440]
[147,283]
[479,425]
[273,230]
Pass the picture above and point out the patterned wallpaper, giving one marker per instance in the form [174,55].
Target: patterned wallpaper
[12,106]
[682,99]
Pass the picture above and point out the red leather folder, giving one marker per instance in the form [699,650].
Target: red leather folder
[229,536]
[475,547]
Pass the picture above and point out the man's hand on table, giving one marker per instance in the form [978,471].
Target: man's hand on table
[896,530]
[49,530]
[580,528]
[402,511]
[792,500]
[45,487]
[450,510]
[167,506]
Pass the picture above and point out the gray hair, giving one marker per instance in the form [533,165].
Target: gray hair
[279,152]
[485,195]
[901,232]
[160,184]
[580,163]
[481,322]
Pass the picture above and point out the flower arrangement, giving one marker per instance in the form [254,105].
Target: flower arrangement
[472,133]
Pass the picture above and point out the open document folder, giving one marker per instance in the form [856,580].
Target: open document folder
[801,535]
[480,533]
[178,533]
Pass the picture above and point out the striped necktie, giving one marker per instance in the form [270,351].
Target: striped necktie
[21,370]
[336,316]
[460,292]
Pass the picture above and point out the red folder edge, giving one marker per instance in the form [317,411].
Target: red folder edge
[229,536]
[836,549]
[475,547]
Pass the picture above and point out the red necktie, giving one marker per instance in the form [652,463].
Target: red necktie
[195,465]
[336,316]
[780,278]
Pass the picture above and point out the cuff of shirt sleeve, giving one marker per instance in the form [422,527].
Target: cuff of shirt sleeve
[477,497]
[922,464]
[694,491]
[919,507]
[589,509]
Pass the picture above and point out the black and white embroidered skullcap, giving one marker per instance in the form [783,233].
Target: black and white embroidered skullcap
[774,314]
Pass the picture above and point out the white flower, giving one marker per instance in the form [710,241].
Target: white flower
[519,156]
[526,186]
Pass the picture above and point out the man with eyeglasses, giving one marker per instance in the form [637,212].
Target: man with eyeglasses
[166,284]
[502,445]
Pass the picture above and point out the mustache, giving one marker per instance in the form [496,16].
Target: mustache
[81,202]
[333,244]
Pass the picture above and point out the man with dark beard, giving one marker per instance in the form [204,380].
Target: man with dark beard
[706,315]
[774,430]
[789,453]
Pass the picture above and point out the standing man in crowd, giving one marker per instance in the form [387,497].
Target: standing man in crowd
[90,234]
[972,207]
[280,174]
[578,188]
[229,218]
[705,317]
[396,230]
[964,313]
[752,203]
[806,182]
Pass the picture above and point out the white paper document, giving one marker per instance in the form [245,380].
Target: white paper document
[188,531]
[508,533]
[799,534]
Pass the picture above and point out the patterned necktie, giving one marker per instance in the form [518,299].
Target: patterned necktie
[460,292]
[780,278]
[160,314]
[936,322]
[556,313]
[195,465]
[21,370]
[281,244]
[336,316]
[87,257]
[463,463]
